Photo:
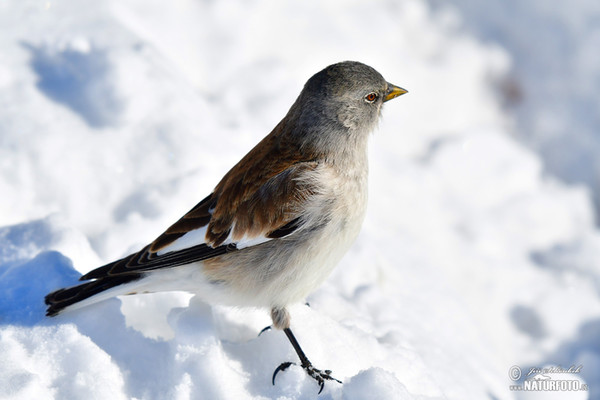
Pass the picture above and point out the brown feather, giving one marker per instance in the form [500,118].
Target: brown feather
[260,194]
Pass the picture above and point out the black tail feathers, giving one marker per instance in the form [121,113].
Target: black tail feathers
[63,298]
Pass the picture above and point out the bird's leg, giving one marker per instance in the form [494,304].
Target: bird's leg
[319,375]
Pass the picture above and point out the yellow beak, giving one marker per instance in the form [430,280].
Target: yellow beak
[394,91]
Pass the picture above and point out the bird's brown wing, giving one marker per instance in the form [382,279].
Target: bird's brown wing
[259,199]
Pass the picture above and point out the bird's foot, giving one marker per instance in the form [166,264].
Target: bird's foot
[318,375]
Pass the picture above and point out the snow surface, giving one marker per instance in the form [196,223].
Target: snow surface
[554,83]
[117,117]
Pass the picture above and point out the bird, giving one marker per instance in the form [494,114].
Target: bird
[277,223]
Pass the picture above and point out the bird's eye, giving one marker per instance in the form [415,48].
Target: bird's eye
[371,97]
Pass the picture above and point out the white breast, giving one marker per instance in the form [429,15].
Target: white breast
[337,216]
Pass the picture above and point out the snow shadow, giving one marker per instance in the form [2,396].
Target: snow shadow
[24,284]
[582,350]
[79,77]
[528,321]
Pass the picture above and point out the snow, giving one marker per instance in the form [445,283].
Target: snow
[118,117]
[553,94]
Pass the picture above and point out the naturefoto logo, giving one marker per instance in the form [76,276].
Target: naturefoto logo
[552,379]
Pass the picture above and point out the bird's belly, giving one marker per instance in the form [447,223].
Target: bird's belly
[312,263]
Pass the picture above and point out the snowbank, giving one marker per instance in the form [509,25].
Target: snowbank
[117,117]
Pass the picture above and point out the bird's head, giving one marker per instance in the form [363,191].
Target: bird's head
[343,100]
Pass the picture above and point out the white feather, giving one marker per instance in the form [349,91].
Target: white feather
[198,236]
[246,241]
[190,239]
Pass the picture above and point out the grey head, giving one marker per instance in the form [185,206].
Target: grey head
[341,103]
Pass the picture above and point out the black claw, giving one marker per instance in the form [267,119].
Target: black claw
[316,374]
[266,328]
[282,367]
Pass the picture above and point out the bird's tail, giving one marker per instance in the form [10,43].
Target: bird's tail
[63,298]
